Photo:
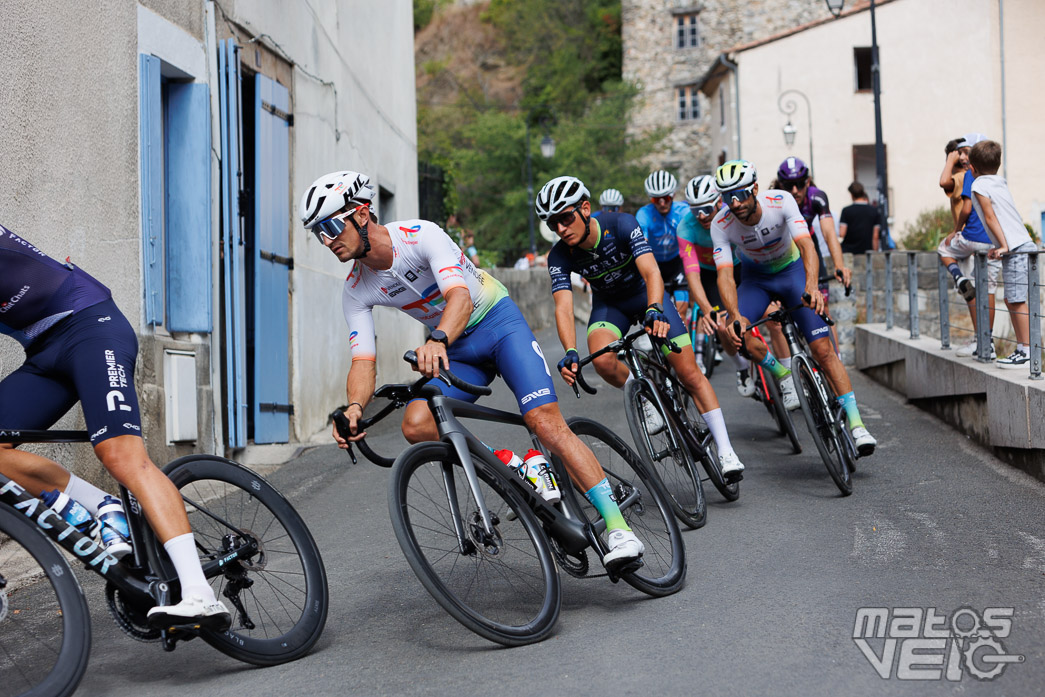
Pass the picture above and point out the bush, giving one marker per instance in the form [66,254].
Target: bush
[928,229]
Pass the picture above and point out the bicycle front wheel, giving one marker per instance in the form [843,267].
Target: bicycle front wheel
[45,627]
[812,396]
[278,596]
[702,447]
[711,350]
[785,423]
[503,586]
[666,453]
[650,516]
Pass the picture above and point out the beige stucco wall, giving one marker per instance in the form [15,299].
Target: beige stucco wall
[941,77]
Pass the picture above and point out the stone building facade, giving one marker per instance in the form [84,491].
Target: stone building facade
[669,46]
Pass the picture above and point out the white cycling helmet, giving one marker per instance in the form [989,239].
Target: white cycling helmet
[701,190]
[332,192]
[735,174]
[558,195]
[661,183]
[611,197]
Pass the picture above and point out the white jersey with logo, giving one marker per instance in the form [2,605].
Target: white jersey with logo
[426,264]
[768,246]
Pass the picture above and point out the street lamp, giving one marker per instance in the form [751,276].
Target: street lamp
[788,107]
[548,152]
[835,6]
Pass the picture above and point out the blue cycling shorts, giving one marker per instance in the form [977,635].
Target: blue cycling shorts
[89,358]
[502,343]
[620,315]
[787,286]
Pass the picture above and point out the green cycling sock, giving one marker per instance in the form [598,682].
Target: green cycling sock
[601,496]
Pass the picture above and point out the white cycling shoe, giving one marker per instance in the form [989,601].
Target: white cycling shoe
[654,421]
[624,547]
[745,385]
[865,442]
[732,467]
[789,393]
[192,611]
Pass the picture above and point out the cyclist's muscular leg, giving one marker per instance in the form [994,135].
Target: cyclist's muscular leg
[418,423]
[127,461]
[693,379]
[33,472]
[607,366]
[824,353]
[546,421]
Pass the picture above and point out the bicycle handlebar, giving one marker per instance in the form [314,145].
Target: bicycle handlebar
[624,342]
[779,316]
[398,396]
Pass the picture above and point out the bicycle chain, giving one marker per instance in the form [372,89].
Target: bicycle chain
[576,566]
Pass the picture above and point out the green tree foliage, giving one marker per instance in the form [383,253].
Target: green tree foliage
[931,226]
[572,91]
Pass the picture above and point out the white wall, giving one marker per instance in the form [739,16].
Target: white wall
[941,73]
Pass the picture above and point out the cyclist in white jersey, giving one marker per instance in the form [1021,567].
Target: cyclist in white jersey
[414,266]
[779,262]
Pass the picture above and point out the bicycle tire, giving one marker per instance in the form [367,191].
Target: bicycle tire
[821,424]
[785,424]
[703,449]
[41,607]
[289,595]
[710,354]
[673,467]
[664,569]
[505,604]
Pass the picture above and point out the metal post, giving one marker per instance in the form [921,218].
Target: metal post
[912,295]
[943,279]
[879,145]
[869,287]
[983,315]
[1034,310]
[529,189]
[888,290]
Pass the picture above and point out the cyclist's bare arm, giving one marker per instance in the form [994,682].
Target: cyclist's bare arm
[650,272]
[564,324]
[827,227]
[727,288]
[360,384]
[812,267]
[697,295]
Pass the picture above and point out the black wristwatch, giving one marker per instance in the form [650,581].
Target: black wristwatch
[440,336]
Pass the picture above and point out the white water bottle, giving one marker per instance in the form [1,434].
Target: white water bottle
[537,471]
[115,533]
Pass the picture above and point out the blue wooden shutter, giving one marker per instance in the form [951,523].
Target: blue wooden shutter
[188,208]
[232,244]
[150,122]
[271,261]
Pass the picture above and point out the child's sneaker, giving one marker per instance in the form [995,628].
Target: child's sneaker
[1016,358]
[966,288]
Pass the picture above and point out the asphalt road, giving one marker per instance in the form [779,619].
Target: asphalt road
[774,583]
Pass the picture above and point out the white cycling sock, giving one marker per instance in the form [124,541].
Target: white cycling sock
[739,361]
[786,362]
[717,425]
[86,494]
[182,551]
[629,378]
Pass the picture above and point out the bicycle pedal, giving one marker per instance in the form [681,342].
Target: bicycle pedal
[630,567]
[184,631]
[733,477]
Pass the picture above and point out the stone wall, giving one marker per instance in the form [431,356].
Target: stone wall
[652,61]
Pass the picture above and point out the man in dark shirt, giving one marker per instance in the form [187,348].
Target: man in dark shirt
[860,223]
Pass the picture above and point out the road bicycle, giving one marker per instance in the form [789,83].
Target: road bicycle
[255,550]
[480,539]
[671,453]
[824,416]
[707,345]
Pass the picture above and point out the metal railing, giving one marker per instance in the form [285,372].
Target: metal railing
[919,292]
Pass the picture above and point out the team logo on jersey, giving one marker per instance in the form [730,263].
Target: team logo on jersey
[555,270]
[396,290]
[636,233]
[411,232]
[431,299]
[352,340]
[5,306]
[775,199]
[410,276]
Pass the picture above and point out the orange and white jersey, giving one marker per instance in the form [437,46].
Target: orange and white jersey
[426,264]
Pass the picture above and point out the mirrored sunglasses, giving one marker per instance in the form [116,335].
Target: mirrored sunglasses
[738,195]
[793,184]
[562,219]
[705,211]
[331,227]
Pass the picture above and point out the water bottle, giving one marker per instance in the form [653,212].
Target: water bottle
[537,470]
[70,510]
[115,533]
[514,463]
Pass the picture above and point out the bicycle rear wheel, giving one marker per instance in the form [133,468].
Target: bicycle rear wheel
[703,449]
[666,454]
[281,587]
[664,561]
[503,587]
[45,626]
[812,396]
[785,423]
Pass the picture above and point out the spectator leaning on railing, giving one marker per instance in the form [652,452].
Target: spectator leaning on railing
[997,210]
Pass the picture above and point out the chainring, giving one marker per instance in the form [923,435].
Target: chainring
[129,619]
[576,566]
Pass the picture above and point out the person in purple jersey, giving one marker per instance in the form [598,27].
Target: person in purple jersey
[80,348]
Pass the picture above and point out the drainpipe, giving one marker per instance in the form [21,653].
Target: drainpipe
[736,95]
[1001,50]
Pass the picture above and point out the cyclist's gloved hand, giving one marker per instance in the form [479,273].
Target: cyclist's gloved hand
[571,359]
[654,314]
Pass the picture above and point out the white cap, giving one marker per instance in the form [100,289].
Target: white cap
[971,139]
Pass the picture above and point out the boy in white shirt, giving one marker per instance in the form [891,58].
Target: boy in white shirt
[997,210]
